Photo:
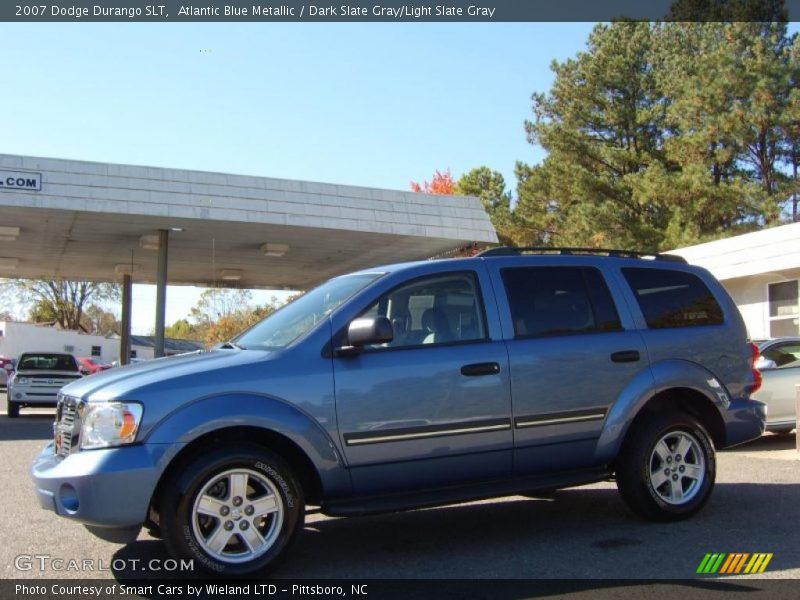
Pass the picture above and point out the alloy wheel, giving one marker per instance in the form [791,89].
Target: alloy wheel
[677,467]
[237,515]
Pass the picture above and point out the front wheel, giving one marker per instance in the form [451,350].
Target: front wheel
[13,410]
[234,511]
[667,467]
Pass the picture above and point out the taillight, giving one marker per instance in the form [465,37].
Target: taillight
[757,378]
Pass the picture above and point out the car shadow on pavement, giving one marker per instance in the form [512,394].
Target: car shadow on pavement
[580,533]
[769,442]
[26,427]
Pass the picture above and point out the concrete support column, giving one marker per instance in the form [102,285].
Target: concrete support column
[161,291]
[125,333]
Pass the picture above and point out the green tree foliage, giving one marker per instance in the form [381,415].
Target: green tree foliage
[215,303]
[231,325]
[490,187]
[220,315]
[99,321]
[59,301]
[603,125]
[183,330]
[731,85]
[791,123]
[94,319]
[42,312]
[719,11]
[663,135]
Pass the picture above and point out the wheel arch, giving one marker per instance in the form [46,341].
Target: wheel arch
[301,465]
[270,423]
[677,385]
[686,400]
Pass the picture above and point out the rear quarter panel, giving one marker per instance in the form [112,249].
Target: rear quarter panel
[722,350]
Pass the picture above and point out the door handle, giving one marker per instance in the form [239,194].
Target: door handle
[478,369]
[625,356]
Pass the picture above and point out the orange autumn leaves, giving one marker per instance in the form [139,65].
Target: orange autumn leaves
[441,184]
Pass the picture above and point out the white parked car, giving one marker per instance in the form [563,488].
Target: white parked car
[38,378]
[780,367]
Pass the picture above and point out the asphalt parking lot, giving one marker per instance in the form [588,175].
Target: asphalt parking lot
[585,532]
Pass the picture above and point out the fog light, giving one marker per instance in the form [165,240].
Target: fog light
[69,498]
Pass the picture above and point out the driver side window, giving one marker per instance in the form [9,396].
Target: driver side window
[439,309]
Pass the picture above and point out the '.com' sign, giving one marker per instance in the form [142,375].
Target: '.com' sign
[20,180]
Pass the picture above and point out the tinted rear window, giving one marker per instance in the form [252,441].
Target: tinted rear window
[673,298]
[547,301]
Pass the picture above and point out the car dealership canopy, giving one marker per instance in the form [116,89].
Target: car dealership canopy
[81,220]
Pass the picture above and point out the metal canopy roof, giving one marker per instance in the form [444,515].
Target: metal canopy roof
[755,253]
[87,221]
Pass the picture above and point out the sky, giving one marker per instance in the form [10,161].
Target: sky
[368,104]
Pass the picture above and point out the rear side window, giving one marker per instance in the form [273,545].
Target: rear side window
[547,301]
[673,298]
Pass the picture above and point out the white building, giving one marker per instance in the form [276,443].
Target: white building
[761,271]
[16,338]
[143,346]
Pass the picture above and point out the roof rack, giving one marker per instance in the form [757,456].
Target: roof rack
[511,251]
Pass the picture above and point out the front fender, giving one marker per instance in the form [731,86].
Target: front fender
[191,421]
[662,376]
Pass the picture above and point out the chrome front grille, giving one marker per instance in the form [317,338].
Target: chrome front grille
[66,427]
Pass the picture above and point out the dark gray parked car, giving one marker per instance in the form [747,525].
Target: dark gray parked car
[414,385]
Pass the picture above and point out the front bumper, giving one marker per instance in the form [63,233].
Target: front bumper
[110,487]
[745,420]
[24,395]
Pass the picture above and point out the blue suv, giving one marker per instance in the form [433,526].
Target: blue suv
[414,385]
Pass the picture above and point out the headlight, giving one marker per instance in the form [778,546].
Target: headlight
[109,424]
[21,380]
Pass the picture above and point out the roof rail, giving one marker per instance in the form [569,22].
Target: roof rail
[511,251]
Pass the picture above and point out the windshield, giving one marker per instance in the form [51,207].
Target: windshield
[47,362]
[293,320]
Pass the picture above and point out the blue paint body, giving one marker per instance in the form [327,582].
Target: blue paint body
[556,404]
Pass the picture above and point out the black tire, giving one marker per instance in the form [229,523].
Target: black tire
[180,529]
[153,530]
[13,410]
[638,459]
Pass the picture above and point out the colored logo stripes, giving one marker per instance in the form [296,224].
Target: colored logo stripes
[734,563]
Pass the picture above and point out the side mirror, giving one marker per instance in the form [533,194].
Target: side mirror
[365,331]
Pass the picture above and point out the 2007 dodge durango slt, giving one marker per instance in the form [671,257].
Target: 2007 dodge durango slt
[414,385]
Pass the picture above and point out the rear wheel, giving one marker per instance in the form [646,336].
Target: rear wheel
[667,467]
[235,511]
